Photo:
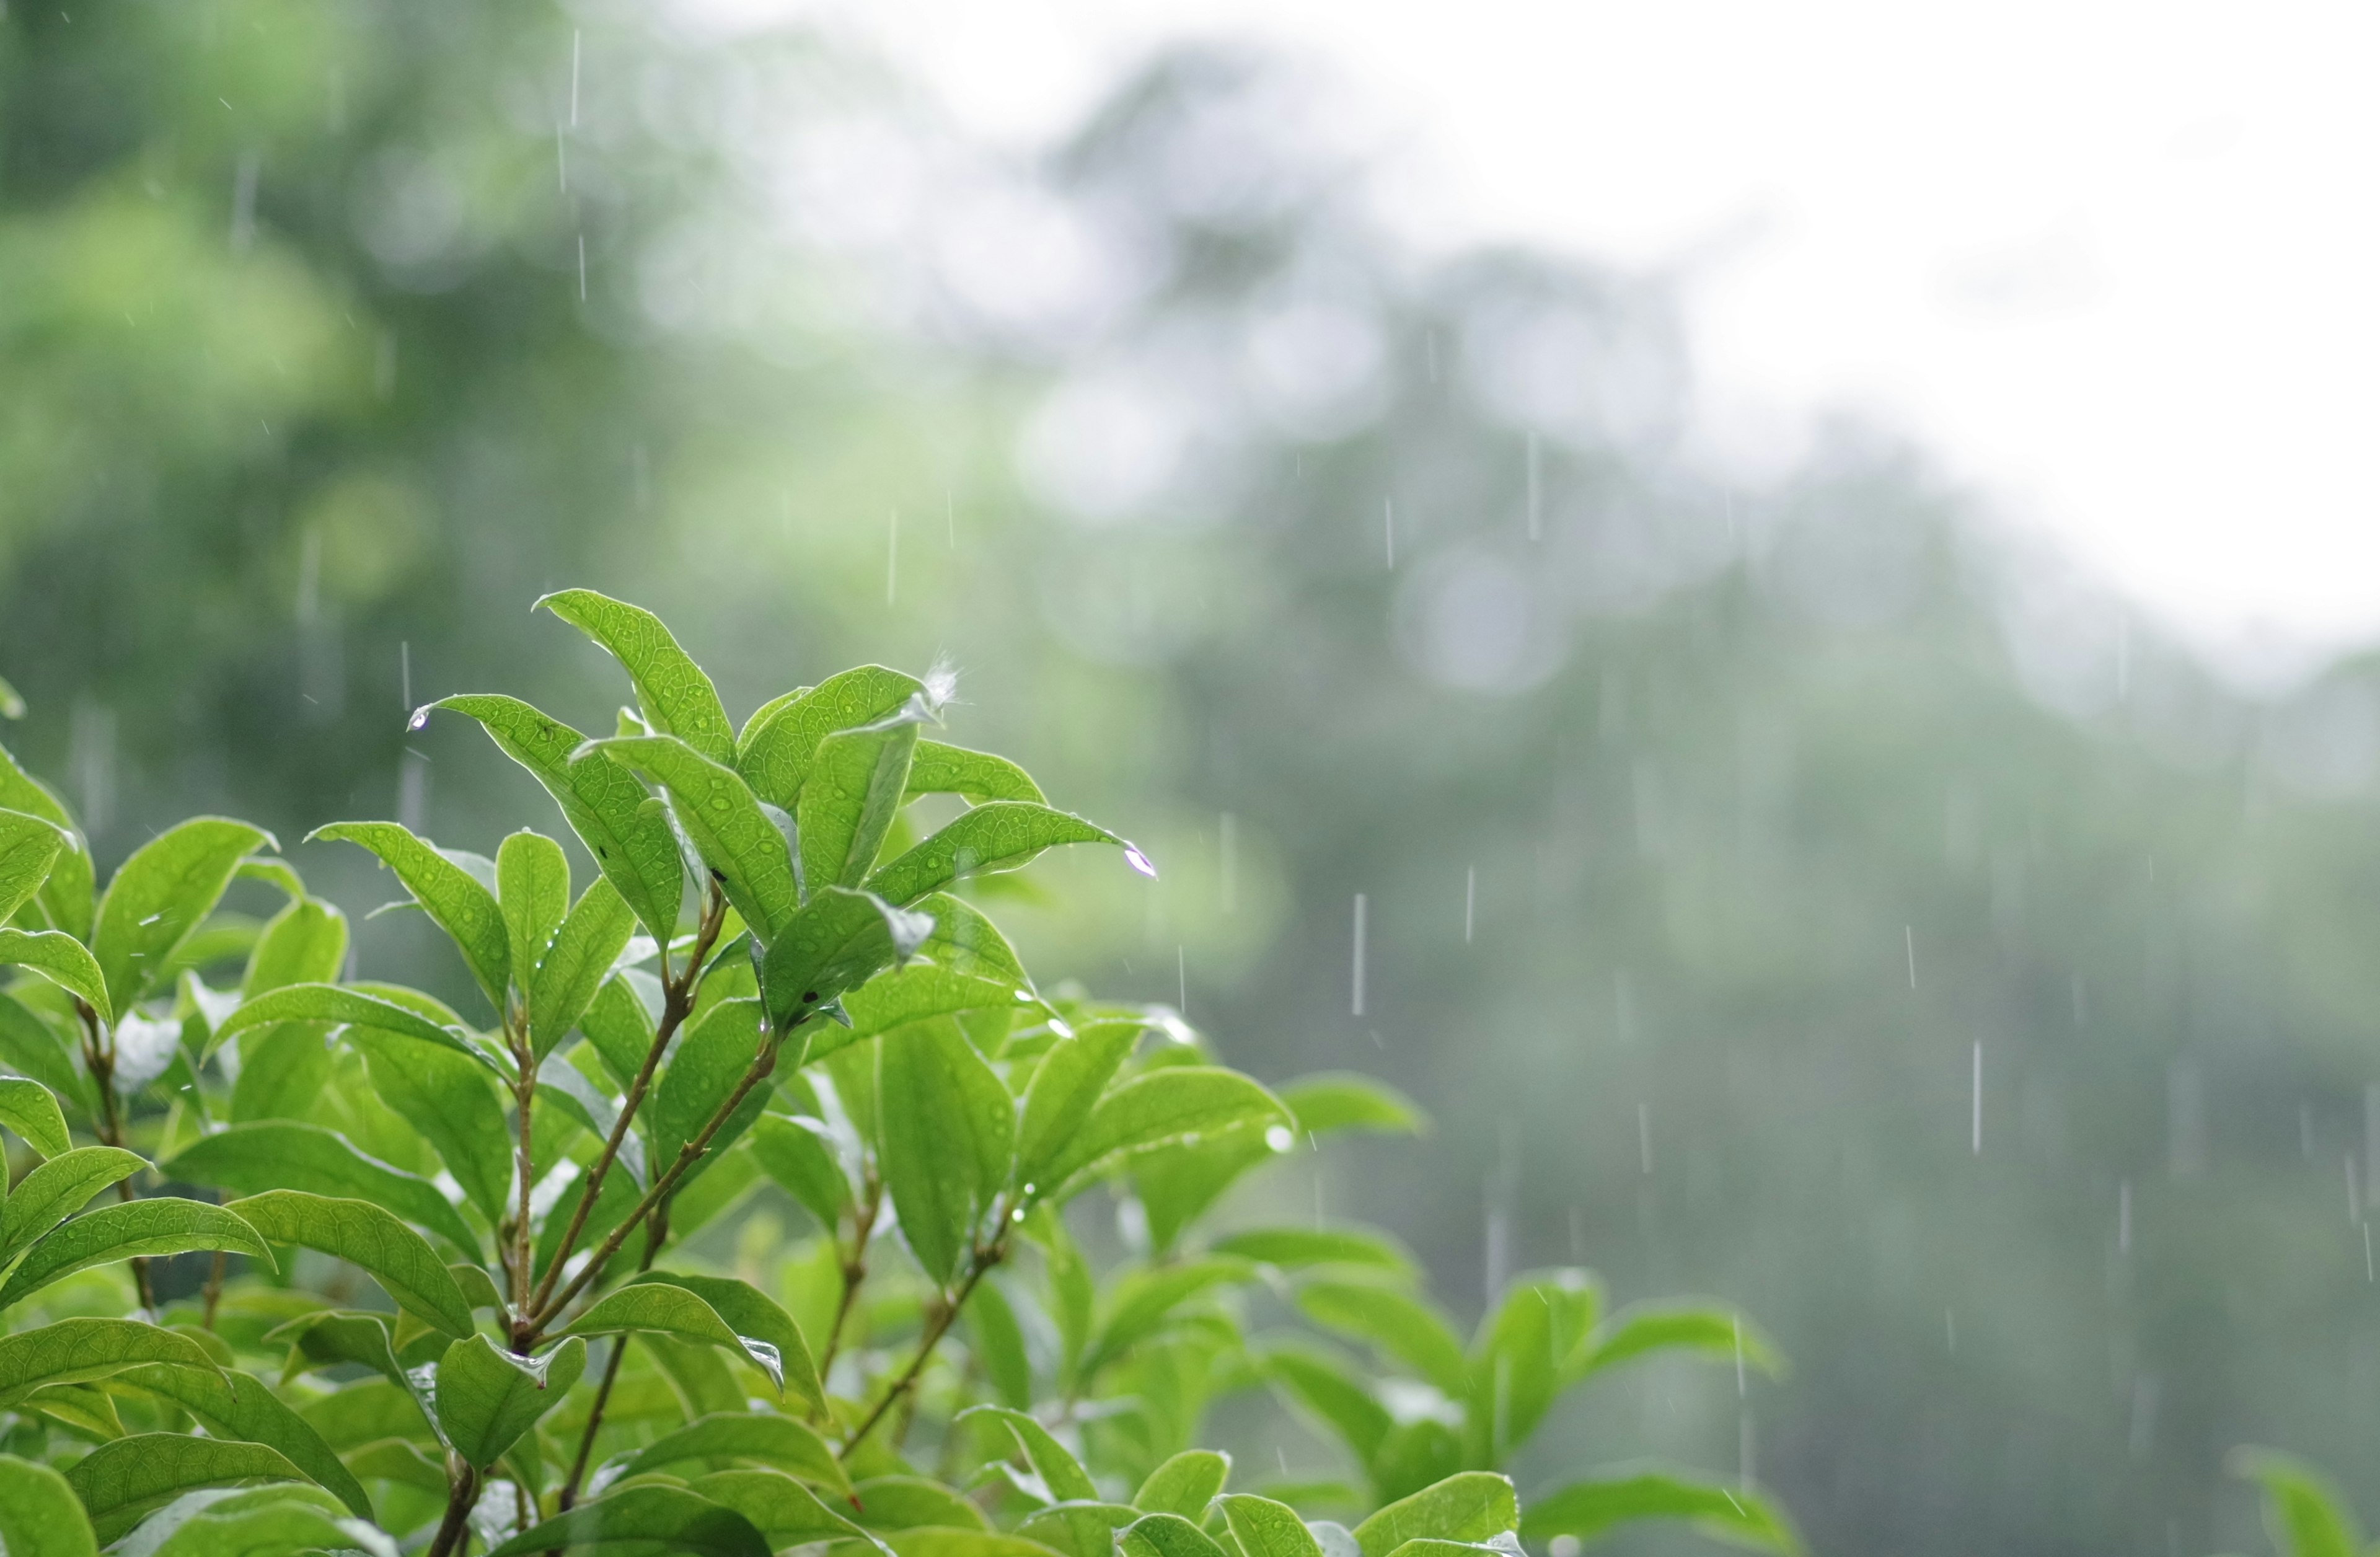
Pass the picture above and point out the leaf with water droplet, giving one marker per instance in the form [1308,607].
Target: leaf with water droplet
[1002,835]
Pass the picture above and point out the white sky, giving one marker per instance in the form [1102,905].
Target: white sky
[2119,265]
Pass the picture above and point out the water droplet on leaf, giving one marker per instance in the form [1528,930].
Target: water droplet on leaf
[1139,861]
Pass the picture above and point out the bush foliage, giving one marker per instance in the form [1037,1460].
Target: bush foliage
[366,1273]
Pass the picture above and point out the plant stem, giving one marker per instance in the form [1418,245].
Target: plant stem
[524,1102]
[854,1268]
[656,1234]
[679,995]
[463,1482]
[938,1324]
[99,1058]
[214,1289]
[762,1064]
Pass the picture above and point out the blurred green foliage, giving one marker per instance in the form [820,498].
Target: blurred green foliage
[1743,808]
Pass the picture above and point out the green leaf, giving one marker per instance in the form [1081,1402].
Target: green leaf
[1166,1107]
[303,944]
[913,993]
[965,941]
[1167,1535]
[997,1342]
[676,697]
[29,845]
[128,1230]
[848,805]
[1078,1530]
[235,1528]
[719,811]
[1002,835]
[450,1101]
[1065,1088]
[236,1405]
[1145,1300]
[120,1482]
[488,1398]
[663,1310]
[1405,1327]
[2305,1512]
[902,1502]
[330,1339]
[710,1061]
[644,1520]
[1186,1484]
[964,1543]
[344,1005]
[31,1110]
[31,1046]
[1331,1398]
[1265,1528]
[778,1442]
[937,769]
[159,896]
[754,1315]
[407,1269]
[454,898]
[785,1510]
[286,1154]
[798,1154]
[619,1027]
[574,966]
[1299,1249]
[60,958]
[533,894]
[73,1351]
[1473,1506]
[1587,1510]
[777,752]
[41,1513]
[66,896]
[839,941]
[1519,1360]
[1345,1102]
[1713,1329]
[1058,1469]
[602,801]
[948,1132]
[57,1189]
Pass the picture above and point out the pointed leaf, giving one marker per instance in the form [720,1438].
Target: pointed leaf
[235,1405]
[601,800]
[303,944]
[937,769]
[785,1510]
[1002,835]
[121,1481]
[779,1442]
[1713,1329]
[1058,1469]
[913,994]
[1167,1107]
[948,1128]
[160,896]
[57,1189]
[450,1101]
[533,893]
[347,1007]
[1333,1399]
[1588,1510]
[854,789]
[754,1315]
[130,1230]
[41,1513]
[487,1398]
[1331,1102]
[902,1502]
[1145,1300]
[1404,1327]
[709,1063]
[719,811]
[965,941]
[2305,1512]
[28,846]
[60,958]
[407,1269]
[288,1155]
[1470,1507]
[776,753]
[1298,1249]
[797,1154]
[576,964]
[1167,1535]
[31,1046]
[676,697]
[663,1310]
[1186,1484]
[31,1110]
[72,1351]
[454,898]
[1066,1087]
[66,896]
[839,941]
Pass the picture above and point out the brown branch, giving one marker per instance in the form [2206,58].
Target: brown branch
[463,1491]
[99,1058]
[854,1268]
[679,995]
[524,1166]
[938,1325]
[656,1234]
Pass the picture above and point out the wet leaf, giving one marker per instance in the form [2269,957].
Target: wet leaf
[236,1405]
[160,896]
[661,1308]
[488,1398]
[533,894]
[777,1442]
[1185,1485]
[397,1256]
[776,753]
[1472,1506]
[120,1482]
[754,1315]
[579,958]
[41,1513]
[455,899]
[31,1110]
[133,1229]
[62,959]
[643,1520]
[855,788]
[741,845]
[1167,1107]
[839,941]
[303,944]
[1587,1510]
[29,845]
[57,1189]
[947,1129]
[288,1155]
[937,769]
[1002,835]
[1167,1535]
[676,697]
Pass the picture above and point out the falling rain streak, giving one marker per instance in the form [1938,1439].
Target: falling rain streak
[1470,900]
[1977,1123]
[1389,529]
[1909,943]
[1358,983]
[404,674]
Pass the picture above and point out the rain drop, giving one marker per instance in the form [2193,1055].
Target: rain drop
[1139,861]
[421,717]
[1281,1137]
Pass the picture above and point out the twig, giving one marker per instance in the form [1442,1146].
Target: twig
[677,1001]
[936,1326]
[463,1484]
[524,1168]
[854,1268]
[656,1234]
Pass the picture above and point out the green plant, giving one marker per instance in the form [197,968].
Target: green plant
[772,980]
[2305,1513]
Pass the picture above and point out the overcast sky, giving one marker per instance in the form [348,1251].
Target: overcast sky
[2115,263]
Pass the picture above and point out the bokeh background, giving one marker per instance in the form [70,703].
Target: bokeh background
[1803,889]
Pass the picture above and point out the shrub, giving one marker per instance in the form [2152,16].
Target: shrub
[771,979]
